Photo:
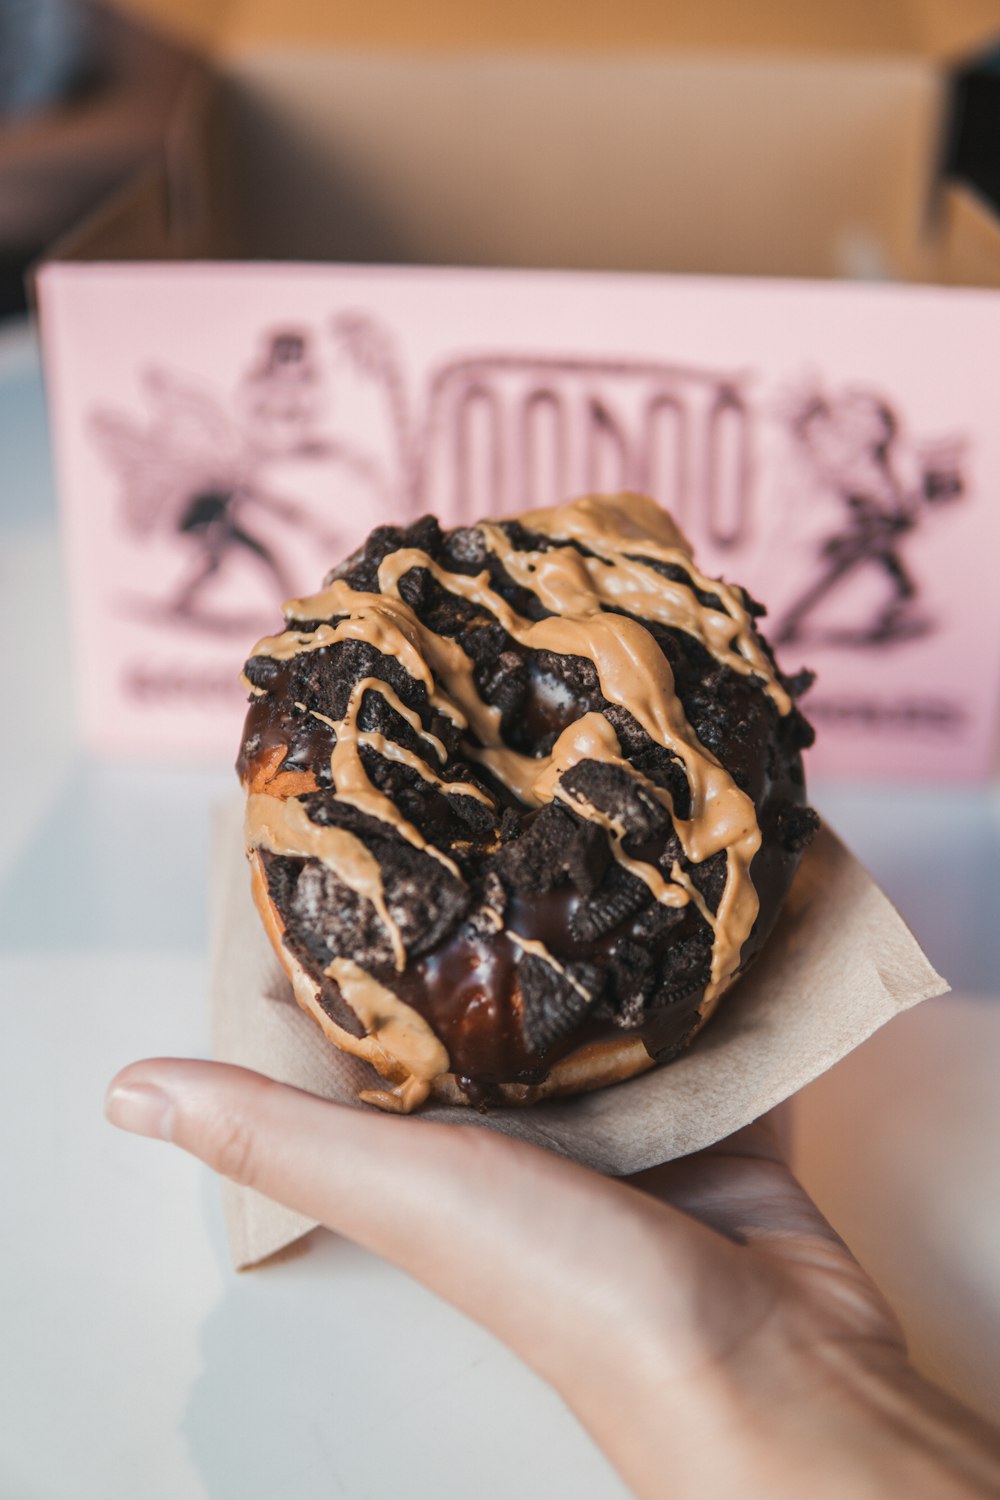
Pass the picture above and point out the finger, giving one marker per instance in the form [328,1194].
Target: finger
[556,1260]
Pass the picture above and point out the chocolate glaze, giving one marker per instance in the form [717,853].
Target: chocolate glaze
[467,987]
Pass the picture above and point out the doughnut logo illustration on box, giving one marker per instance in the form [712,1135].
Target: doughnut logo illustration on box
[227,435]
[500,432]
[494,433]
[858,454]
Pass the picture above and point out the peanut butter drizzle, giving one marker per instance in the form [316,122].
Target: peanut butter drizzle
[626,522]
[390,749]
[620,532]
[634,673]
[683,879]
[387,624]
[282,826]
[391,627]
[351,781]
[397,1031]
[593,738]
[620,579]
[394,701]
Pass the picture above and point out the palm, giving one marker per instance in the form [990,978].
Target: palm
[744,1190]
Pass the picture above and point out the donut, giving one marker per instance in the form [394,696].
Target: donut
[524,798]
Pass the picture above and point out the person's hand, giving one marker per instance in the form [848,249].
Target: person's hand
[703,1321]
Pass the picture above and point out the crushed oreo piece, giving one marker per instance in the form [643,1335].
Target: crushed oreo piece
[797,826]
[423,898]
[620,796]
[633,976]
[552,1005]
[555,846]
[620,895]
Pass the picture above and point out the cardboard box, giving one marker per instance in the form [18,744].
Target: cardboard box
[95,93]
[241,386]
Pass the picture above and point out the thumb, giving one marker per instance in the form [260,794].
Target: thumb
[545,1253]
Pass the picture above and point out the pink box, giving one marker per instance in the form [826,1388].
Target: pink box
[227,434]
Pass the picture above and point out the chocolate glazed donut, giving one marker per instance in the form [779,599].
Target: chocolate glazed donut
[524,798]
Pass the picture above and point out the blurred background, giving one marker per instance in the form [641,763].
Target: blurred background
[86,94]
[90,90]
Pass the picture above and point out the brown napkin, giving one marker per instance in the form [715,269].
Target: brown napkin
[840,963]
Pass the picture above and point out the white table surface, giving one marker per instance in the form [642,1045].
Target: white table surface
[135,1363]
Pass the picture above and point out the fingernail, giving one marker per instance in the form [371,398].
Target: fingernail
[142,1108]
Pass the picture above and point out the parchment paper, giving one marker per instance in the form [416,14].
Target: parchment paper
[840,963]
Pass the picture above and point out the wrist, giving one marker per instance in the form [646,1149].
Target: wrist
[839,1419]
[778,1423]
